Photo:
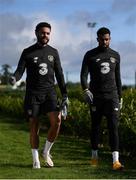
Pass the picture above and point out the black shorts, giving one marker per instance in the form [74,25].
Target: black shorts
[105,107]
[36,104]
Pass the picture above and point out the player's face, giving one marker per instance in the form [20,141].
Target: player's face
[104,40]
[43,35]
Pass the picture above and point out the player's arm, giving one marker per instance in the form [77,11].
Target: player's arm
[88,96]
[118,81]
[118,77]
[84,73]
[59,75]
[62,85]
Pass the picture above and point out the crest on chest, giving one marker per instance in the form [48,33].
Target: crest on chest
[50,58]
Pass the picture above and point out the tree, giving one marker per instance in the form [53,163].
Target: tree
[5,73]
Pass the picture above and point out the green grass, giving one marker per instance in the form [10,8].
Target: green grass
[71,157]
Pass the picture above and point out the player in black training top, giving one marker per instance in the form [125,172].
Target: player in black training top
[103,93]
[42,64]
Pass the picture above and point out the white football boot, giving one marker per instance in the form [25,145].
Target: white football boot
[36,165]
[48,160]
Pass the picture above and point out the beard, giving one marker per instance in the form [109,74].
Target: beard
[43,40]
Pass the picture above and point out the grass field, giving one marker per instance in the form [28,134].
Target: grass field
[71,157]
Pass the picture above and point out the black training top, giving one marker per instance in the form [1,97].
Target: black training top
[103,65]
[42,64]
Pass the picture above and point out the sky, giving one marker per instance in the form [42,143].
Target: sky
[70,33]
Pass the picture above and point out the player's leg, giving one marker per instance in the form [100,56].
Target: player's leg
[31,112]
[96,116]
[113,118]
[34,132]
[34,136]
[34,141]
[95,132]
[55,122]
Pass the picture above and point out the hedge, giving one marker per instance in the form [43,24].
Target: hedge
[78,122]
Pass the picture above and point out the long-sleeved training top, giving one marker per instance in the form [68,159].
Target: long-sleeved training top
[42,65]
[103,65]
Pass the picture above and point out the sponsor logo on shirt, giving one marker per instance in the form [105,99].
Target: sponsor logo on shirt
[35,59]
[105,67]
[43,69]
[98,59]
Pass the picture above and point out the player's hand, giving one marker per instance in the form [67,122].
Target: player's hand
[121,103]
[64,112]
[64,102]
[12,80]
[64,106]
[88,96]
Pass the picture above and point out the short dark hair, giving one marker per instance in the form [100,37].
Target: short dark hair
[103,30]
[42,24]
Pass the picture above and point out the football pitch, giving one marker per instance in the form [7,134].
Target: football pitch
[71,157]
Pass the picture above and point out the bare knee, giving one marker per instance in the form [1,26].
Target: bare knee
[55,120]
[34,125]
